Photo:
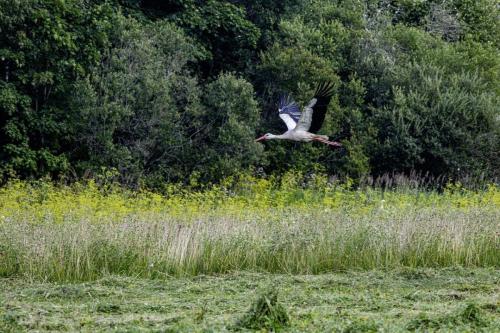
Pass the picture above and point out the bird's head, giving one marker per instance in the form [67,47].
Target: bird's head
[266,136]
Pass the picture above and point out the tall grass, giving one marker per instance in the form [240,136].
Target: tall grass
[82,232]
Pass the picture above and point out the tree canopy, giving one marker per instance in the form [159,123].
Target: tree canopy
[163,91]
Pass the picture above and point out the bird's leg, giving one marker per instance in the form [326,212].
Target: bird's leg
[330,143]
[333,143]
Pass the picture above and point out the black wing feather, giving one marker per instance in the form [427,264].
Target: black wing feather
[323,94]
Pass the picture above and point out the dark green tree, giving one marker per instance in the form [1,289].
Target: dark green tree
[44,47]
[231,121]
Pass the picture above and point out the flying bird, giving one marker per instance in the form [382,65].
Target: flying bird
[303,126]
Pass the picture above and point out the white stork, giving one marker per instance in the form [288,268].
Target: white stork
[303,126]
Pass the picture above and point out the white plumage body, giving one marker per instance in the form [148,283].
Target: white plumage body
[299,135]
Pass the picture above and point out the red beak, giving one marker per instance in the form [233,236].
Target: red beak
[261,138]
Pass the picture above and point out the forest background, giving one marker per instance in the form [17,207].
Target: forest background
[152,92]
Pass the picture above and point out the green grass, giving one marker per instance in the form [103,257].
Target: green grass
[81,233]
[402,300]
[293,242]
[250,255]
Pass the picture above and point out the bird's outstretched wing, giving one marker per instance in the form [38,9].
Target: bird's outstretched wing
[304,122]
[289,111]
[314,113]
[323,95]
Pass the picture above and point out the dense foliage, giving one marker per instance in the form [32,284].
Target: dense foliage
[153,91]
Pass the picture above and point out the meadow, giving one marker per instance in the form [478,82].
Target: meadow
[401,300]
[400,244]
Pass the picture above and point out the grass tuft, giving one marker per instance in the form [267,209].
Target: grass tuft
[472,315]
[265,313]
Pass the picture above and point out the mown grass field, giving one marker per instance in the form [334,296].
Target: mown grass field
[100,258]
[445,300]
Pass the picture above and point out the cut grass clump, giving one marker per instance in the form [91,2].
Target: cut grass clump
[361,326]
[471,316]
[412,273]
[9,322]
[265,313]
[424,322]
[108,308]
